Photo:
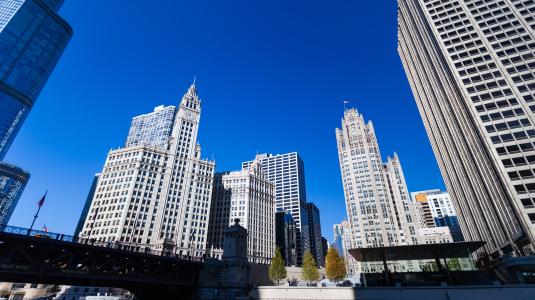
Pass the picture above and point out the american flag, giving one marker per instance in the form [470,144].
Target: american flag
[42,201]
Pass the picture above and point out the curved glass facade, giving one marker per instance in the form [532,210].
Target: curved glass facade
[12,183]
[32,39]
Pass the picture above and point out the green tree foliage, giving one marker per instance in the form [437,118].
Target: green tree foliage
[335,266]
[309,271]
[277,269]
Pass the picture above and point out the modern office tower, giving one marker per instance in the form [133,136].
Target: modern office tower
[470,66]
[12,183]
[250,197]
[343,243]
[376,195]
[434,235]
[32,39]
[436,210]
[152,129]
[325,247]
[287,172]
[87,205]
[314,233]
[286,237]
[156,197]
[338,239]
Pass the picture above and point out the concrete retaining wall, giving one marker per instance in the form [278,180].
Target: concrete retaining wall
[517,292]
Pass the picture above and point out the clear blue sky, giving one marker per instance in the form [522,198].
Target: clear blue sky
[272,76]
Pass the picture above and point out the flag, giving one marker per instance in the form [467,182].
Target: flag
[346,101]
[42,201]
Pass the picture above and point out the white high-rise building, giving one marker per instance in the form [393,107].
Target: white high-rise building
[246,195]
[287,172]
[434,235]
[471,67]
[152,196]
[152,129]
[377,200]
[436,210]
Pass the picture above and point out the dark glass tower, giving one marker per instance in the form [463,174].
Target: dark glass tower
[32,39]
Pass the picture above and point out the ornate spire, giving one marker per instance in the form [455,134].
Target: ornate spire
[191,98]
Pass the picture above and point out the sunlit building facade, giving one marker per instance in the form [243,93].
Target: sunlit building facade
[156,197]
[377,200]
[471,67]
[152,129]
[287,172]
[437,210]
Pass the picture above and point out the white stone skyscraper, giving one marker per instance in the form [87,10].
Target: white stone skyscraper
[471,67]
[377,200]
[249,196]
[287,172]
[156,196]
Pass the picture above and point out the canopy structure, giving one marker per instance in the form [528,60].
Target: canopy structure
[416,252]
[439,253]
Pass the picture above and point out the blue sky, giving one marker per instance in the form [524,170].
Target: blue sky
[272,76]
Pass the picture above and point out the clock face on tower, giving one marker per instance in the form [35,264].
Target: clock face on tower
[189,115]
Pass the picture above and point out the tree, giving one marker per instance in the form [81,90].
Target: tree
[335,266]
[309,271]
[277,269]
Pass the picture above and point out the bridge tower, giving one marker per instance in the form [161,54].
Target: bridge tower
[227,278]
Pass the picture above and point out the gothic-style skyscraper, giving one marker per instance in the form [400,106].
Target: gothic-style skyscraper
[153,195]
[377,199]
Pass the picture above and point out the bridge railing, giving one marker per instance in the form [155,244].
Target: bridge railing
[145,249]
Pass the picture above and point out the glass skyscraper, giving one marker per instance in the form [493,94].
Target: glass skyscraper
[152,129]
[32,39]
[12,183]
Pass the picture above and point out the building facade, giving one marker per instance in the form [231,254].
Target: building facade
[437,210]
[377,202]
[152,129]
[286,237]
[287,172]
[470,66]
[246,195]
[338,239]
[87,205]
[314,233]
[343,243]
[156,197]
[12,183]
[434,235]
[325,247]
[32,39]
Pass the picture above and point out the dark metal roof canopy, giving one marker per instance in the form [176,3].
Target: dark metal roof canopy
[416,252]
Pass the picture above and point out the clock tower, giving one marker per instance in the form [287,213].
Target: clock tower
[187,187]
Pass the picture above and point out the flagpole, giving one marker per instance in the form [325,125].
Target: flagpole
[37,213]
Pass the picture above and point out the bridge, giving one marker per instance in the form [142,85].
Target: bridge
[52,258]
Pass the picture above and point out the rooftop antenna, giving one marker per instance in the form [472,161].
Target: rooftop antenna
[194,79]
